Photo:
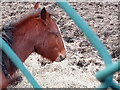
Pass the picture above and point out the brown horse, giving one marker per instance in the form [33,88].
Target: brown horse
[38,33]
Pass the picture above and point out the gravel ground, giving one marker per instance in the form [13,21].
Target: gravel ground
[79,68]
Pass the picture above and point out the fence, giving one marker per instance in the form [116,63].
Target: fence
[15,59]
[104,76]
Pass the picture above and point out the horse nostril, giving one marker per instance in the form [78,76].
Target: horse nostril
[61,58]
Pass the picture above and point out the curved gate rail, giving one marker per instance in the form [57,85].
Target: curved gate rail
[15,59]
[104,76]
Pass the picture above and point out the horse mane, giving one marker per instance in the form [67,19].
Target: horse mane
[26,17]
[31,14]
[6,33]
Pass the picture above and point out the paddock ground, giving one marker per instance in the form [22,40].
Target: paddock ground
[82,62]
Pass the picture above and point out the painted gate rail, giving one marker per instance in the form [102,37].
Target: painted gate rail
[15,59]
[94,39]
[104,76]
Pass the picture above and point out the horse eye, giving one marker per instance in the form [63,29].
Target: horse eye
[57,34]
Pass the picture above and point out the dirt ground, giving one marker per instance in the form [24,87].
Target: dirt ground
[79,68]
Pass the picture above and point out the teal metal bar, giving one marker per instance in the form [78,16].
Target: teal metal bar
[15,59]
[80,22]
[115,85]
[111,69]
[93,38]
[102,75]
[106,85]
[103,86]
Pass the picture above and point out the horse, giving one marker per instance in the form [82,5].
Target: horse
[36,32]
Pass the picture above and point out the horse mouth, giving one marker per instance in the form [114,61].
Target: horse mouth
[60,58]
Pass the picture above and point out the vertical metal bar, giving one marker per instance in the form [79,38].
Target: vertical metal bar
[111,69]
[15,59]
[115,85]
[93,38]
[103,86]
[80,22]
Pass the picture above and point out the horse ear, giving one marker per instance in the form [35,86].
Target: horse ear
[43,13]
[36,6]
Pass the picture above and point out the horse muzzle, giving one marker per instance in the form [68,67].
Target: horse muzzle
[61,56]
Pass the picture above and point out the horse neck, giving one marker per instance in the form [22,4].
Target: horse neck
[21,45]
[23,42]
